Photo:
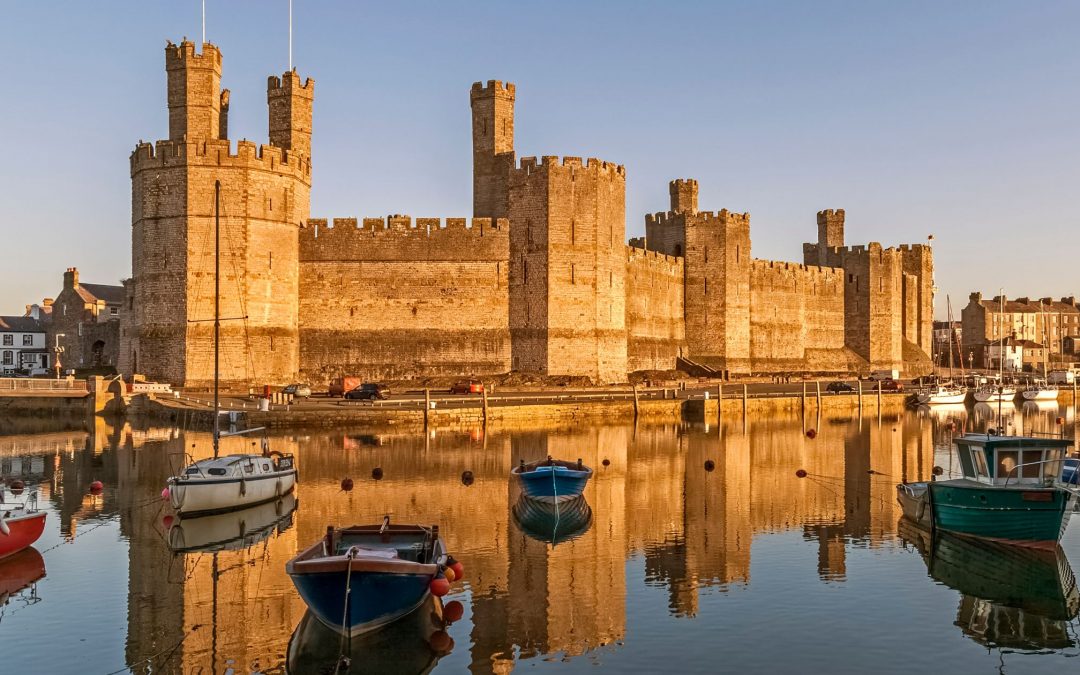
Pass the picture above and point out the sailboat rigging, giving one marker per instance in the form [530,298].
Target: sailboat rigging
[234,481]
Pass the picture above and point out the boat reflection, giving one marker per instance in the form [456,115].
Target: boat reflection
[19,571]
[553,523]
[412,644]
[232,531]
[1011,597]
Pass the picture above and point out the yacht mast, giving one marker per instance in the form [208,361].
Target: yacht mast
[217,310]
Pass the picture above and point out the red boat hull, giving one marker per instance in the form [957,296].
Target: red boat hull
[23,531]
[19,571]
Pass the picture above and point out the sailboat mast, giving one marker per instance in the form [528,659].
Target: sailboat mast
[948,304]
[1001,357]
[217,310]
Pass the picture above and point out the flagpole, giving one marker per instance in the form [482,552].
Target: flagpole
[290,35]
[204,21]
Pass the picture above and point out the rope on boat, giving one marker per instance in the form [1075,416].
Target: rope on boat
[346,635]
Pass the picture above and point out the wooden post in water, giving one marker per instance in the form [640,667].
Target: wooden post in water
[859,382]
[817,384]
[879,400]
[635,403]
[802,401]
[720,404]
[744,399]
[427,406]
[483,392]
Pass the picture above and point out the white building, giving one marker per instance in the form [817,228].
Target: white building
[22,345]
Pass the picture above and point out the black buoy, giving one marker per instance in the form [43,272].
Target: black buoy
[467,478]
[606,462]
[346,484]
[709,465]
[377,473]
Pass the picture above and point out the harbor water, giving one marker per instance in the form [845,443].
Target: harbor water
[696,548]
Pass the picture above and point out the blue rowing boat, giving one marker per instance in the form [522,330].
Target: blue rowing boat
[552,480]
[363,577]
[553,523]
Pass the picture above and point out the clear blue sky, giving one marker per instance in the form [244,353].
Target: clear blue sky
[954,119]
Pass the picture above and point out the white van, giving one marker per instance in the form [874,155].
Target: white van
[1061,377]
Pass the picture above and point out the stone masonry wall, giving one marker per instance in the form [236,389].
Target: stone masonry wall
[655,335]
[393,299]
[796,317]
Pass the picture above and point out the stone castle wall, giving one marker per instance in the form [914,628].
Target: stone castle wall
[655,335]
[395,298]
[796,316]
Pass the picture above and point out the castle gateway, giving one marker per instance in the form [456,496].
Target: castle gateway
[540,280]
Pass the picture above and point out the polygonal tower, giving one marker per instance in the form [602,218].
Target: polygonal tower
[265,198]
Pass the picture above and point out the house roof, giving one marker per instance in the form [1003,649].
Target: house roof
[110,295]
[21,324]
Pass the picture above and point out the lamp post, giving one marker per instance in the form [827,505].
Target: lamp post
[57,351]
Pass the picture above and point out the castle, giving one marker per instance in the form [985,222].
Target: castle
[540,280]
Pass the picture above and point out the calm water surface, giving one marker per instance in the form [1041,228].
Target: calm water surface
[667,567]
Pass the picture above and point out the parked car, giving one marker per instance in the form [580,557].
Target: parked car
[924,380]
[891,385]
[340,385]
[467,387]
[838,387]
[298,390]
[369,391]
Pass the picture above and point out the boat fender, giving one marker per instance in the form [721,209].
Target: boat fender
[4,529]
[921,511]
[277,489]
[243,486]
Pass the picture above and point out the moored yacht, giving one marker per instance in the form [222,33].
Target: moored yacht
[942,394]
[994,393]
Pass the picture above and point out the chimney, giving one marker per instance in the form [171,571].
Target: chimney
[71,278]
[47,302]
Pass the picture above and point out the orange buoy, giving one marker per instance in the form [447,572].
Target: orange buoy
[346,484]
[449,574]
[801,473]
[453,611]
[96,487]
[439,586]
[453,564]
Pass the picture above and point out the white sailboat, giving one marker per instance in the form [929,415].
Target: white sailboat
[994,393]
[1042,392]
[220,484]
[944,393]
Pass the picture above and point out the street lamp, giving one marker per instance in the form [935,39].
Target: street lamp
[57,351]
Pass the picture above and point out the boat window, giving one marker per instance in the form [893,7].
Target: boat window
[980,462]
[1006,463]
[1033,460]
[1053,468]
[266,468]
[216,472]
[192,471]
[249,468]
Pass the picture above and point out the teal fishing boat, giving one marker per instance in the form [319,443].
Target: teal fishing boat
[1011,491]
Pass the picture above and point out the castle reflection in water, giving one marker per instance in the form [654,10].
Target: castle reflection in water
[652,497]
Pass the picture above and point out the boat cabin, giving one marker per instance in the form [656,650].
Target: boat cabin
[1012,460]
[237,466]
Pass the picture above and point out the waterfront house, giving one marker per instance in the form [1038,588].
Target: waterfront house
[22,345]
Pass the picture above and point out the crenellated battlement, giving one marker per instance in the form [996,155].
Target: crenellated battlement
[290,83]
[636,253]
[178,56]
[218,152]
[492,88]
[701,218]
[827,273]
[399,238]
[922,249]
[679,182]
[828,214]
[530,165]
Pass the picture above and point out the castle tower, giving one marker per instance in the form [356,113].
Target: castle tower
[830,225]
[289,101]
[194,91]
[718,289]
[265,198]
[493,146]
[684,192]
[568,268]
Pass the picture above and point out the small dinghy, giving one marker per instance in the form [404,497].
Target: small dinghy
[362,577]
[552,480]
[20,525]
